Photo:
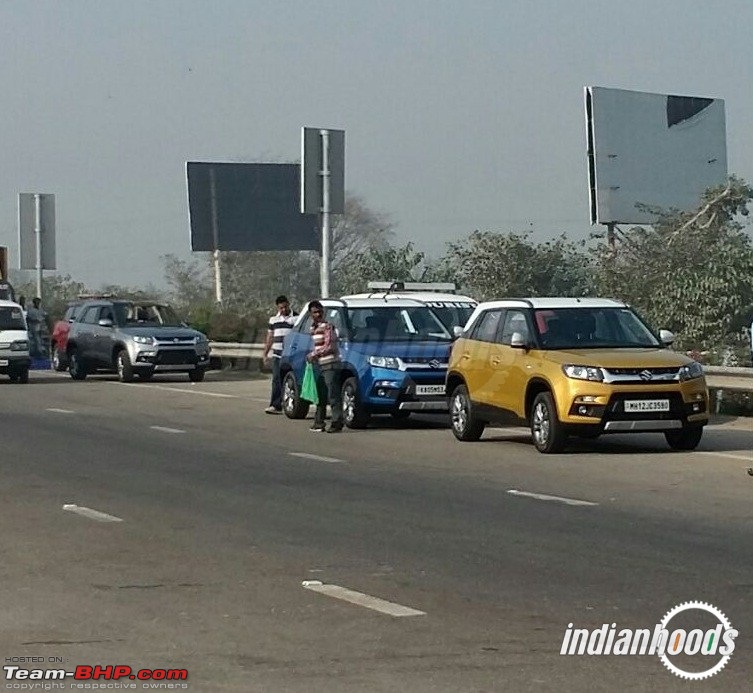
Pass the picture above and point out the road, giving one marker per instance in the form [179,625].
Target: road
[215,514]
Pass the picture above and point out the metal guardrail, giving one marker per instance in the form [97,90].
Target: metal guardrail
[236,350]
[717,377]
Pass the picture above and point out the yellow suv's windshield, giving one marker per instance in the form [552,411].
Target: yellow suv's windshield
[592,328]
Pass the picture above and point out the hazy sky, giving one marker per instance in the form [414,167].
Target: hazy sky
[457,115]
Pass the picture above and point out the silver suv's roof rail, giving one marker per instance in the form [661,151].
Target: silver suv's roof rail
[437,287]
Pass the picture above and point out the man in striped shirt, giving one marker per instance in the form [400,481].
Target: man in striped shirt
[279,325]
[325,357]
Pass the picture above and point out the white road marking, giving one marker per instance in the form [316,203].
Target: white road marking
[60,411]
[360,599]
[165,429]
[179,389]
[318,458]
[746,458]
[545,497]
[91,514]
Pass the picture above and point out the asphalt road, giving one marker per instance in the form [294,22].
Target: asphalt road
[218,513]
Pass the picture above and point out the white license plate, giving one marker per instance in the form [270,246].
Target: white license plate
[430,389]
[3,362]
[638,405]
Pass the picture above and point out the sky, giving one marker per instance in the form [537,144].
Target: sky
[458,116]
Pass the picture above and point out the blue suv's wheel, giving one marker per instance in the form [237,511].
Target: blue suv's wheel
[355,414]
[293,406]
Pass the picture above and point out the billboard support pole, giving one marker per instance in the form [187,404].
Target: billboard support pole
[325,174]
[611,239]
[38,240]
[215,238]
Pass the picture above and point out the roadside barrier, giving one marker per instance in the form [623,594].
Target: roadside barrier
[717,377]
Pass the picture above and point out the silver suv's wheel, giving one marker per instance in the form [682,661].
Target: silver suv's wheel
[77,366]
[125,370]
[549,435]
[465,426]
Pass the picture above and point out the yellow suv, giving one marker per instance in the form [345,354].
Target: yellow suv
[572,366]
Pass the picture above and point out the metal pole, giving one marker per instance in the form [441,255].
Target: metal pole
[324,173]
[215,238]
[38,239]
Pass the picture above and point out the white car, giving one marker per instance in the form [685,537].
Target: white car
[14,342]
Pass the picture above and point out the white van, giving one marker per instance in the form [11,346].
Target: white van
[14,343]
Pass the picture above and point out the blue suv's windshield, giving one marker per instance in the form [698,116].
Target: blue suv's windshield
[395,324]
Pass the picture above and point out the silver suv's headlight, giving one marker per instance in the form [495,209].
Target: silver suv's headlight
[200,339]
[19,345]
[583,372]
[140,339]
[691,371]
[384,362]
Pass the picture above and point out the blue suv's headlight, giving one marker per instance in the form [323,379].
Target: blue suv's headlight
[691,371]
[384,362]
[139,339]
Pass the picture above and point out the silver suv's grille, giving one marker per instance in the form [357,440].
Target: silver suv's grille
[175,342]
[645,376]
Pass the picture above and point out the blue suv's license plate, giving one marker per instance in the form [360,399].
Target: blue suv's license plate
[430,389]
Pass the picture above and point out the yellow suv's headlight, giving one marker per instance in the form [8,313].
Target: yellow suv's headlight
[691,371]
[583,372]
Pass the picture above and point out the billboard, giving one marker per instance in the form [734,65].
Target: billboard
[247,207]
[27,237]
[655,150]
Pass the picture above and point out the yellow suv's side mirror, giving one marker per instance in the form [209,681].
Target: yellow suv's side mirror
[666,337]
[518,341]
[457,331]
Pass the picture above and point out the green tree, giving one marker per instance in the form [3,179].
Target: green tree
[491,265]
[57,291]
[380,264]
[691,272]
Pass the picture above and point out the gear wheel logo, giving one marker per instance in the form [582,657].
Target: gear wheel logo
[680,637]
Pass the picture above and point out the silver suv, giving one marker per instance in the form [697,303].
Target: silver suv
[134,338]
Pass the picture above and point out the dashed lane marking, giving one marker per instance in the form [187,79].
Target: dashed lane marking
[361,599]
[545,497]
[318,458]
[165,429]
[91,514]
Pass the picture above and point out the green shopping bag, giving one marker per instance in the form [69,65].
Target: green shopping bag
[309,391]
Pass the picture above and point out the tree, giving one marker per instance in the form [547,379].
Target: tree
[380,264]
[492,265]
[57,291]
[691,272]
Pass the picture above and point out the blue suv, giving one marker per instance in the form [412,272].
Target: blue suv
[394,353]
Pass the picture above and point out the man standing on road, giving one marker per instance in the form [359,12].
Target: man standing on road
[279,325]
[326,360]
[36,319]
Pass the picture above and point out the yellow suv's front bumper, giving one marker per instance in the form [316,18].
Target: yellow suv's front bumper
[619,407]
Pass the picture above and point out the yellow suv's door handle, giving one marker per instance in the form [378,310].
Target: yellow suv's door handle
[496,362]
[465,356]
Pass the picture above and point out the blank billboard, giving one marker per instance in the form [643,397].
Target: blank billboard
[657,150]
[248,207]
